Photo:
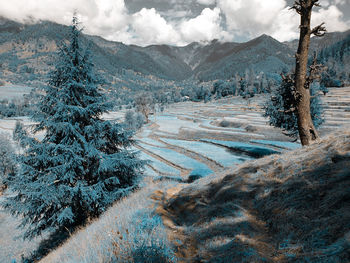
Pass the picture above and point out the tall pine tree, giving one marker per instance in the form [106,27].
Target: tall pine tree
[82,165]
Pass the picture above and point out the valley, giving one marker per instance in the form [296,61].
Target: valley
[193,140]
[164,153]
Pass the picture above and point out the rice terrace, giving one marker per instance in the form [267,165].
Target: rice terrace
[191,131]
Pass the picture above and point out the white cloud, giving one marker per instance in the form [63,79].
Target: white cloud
[286,25]
[205,27]
[287,22]
[95,11]
[206,2]
[100,17]
[250,17]
[151,28]
[332,17]
[341,2]
[183,22]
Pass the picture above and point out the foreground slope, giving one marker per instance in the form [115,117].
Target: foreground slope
[293,207]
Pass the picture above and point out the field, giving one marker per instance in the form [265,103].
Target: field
[11,92]
[191,140]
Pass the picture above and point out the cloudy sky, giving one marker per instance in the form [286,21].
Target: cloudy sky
[179,22]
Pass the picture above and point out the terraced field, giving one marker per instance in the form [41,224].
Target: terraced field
[190,140]
[227,132]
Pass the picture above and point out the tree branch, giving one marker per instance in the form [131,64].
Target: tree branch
[319,30]
[315,3]
[315,71]
[297,6]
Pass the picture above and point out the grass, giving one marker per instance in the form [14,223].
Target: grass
[293,207]
[129,232]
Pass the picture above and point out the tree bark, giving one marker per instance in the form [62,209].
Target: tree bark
[306,128]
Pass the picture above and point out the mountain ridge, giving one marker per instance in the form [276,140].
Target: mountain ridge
[24,46]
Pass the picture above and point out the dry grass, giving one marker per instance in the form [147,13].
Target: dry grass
[128,232]
[293,207]
[289,208]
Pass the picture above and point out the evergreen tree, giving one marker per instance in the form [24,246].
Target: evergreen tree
[82,165]
[281,108]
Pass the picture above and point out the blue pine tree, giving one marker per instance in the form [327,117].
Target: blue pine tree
[281,107]
[83,164]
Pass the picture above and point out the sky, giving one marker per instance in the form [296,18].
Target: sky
[179,22]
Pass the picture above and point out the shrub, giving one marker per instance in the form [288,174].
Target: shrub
[134,120]
[280,109]
[7,159]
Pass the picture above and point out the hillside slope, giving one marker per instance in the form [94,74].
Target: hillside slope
[26,53]
[293,207]
[319,43]
[262,54]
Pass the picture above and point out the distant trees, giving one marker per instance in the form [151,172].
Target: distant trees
[246,86]
[82,165]
[15,107]
[200,93]
[337,60]
[19,106]
[223,88]
[307,131]
[7,159]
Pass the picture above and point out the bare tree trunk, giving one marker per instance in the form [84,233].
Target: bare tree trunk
[307,131]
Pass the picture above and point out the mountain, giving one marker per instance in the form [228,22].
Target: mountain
[27,52]
[319,43]
[336,59]
[33,46]
[28,49]
[263,54]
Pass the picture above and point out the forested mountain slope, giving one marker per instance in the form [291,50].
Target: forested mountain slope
[336,58]
[26,52]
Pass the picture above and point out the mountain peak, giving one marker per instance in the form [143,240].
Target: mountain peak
[266,37]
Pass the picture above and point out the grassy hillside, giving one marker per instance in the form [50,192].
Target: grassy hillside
[293,207]
[128,232]
[289,208]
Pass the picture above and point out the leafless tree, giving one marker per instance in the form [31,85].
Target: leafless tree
[144,104]
[302,79]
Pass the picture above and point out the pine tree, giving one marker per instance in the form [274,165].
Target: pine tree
[281,108]
[83,164]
